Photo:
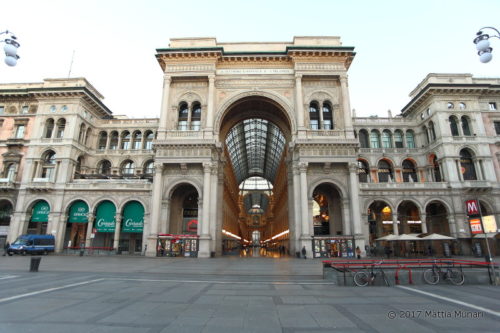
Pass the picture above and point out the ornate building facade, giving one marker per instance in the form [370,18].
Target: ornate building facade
[255,144]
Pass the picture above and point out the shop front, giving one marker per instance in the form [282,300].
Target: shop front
[76,227]
[131,229]
[170,245]
[39,218]
[333,247]
[104,227]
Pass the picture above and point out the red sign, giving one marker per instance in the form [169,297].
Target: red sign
[472,207]
[475,226]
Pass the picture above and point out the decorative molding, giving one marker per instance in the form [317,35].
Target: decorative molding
[252,71]
[189,68]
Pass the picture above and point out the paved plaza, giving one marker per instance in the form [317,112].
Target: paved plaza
[228,294]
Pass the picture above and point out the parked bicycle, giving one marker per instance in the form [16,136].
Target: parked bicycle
[452,274]
[368,276]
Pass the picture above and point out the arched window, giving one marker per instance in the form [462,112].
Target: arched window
[453,125]
[363,139]
[49,128]
[113,142]
[314,115]
[81,134]
[432,133]
[61,124]
[374,139]
[328,123]
[48,164]
[183,117]
[466,126]
[437,170]
[363,172]
[386,139]
[410,139]
[103,140]
[398,138]
[125,140]
[409,171]
[128,168]
[149,167]
[104,167]
[467,165]
[148,143]
[385,172]
[88,134]
[78,166]
[196,117]
[137,138]
[425,131]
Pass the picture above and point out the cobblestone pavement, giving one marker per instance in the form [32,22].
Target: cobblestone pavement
[228,294]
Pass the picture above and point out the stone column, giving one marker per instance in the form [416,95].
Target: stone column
[395,229]
[346,107]
[162,127]
[423,218]
[321,120]
[304,199]
[299,104]
[296,200]
[210,102]
[61,228]
[354,199]
[118,225]
[204,249]
[459,170]
[90,226]
[479,171]
[156,200]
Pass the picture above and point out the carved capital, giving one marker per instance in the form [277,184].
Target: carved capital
[353,167]
[298,77]
[207,167]
[303,166]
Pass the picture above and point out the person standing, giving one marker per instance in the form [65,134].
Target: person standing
[304,252]
[6,248]
[358,252]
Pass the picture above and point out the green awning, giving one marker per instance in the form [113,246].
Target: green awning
[41,212]
[78,213]
[105,217]
[133,217]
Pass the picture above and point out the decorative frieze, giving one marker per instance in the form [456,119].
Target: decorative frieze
[190,68]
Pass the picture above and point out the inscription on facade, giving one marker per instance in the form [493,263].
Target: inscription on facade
[260,71]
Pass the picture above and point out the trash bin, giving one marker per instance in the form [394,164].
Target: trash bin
[35,263]
[297,254]
[212,254]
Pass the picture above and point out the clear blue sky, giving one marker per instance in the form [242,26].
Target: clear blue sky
[397,42]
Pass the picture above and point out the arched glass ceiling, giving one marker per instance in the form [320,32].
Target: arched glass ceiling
[255,148]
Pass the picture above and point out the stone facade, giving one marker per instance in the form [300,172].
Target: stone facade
[366,175]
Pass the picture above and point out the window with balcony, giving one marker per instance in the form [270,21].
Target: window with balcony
[113,142]
[328,123]
[363,171]
[19,132]
[196,117]
[497,127]
[492,106]
[148,143]
[149,168]
[128,168]
[81,134]
[104,168]
[432,132]
[409,171]
[48,165]
[410,139]
[467,165]
[466,126]
[10,172]
[386,139]
[125,140]
[137,140]
[398,139]
[49,128]
[363,139]
[436,169]
[102,141]
[61,125]
[314,115]
[183,117]
[454,126]
[385,172]
[375,139]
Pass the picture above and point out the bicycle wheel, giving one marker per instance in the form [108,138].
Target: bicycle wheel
[431,276]
[456,277]
[361,279]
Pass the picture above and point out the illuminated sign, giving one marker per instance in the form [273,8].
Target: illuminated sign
[475,226]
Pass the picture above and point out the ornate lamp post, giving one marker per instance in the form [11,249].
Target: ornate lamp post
[10,48]
[483,44]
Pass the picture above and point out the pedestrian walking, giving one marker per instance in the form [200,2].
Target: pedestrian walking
[304,252]
[5,248]
[358,252]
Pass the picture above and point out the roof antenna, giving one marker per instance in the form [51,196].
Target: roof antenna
[71,64]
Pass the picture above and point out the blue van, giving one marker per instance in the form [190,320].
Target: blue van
[32,244]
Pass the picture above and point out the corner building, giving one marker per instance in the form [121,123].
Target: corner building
[255,144]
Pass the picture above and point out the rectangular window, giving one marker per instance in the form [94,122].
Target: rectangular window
[497,127]
[327,124]
[2,109]
[25,109]
[314,124]
[20,132]
[493,106]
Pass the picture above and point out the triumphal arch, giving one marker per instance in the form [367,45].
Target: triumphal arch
[255,145]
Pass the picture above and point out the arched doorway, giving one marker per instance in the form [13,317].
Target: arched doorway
[327,211]
[437,222]
[76,226]
[5,216]
[380,224]
[183,217]
[409,218]
[104,224]
[132,227]
[255,131]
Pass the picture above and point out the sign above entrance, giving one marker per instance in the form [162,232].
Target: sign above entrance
[133,217]
[472,207]
[41,212]
[249,71]
[78,213]
[105,217]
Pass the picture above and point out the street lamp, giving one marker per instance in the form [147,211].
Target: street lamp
[10,48]
[483,44]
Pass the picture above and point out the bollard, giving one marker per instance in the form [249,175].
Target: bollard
[35,263]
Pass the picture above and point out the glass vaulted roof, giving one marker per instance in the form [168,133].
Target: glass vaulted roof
[255,148]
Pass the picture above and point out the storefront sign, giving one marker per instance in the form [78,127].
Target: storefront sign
[105,217]
[41,212]
[475,226]
[78,213]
